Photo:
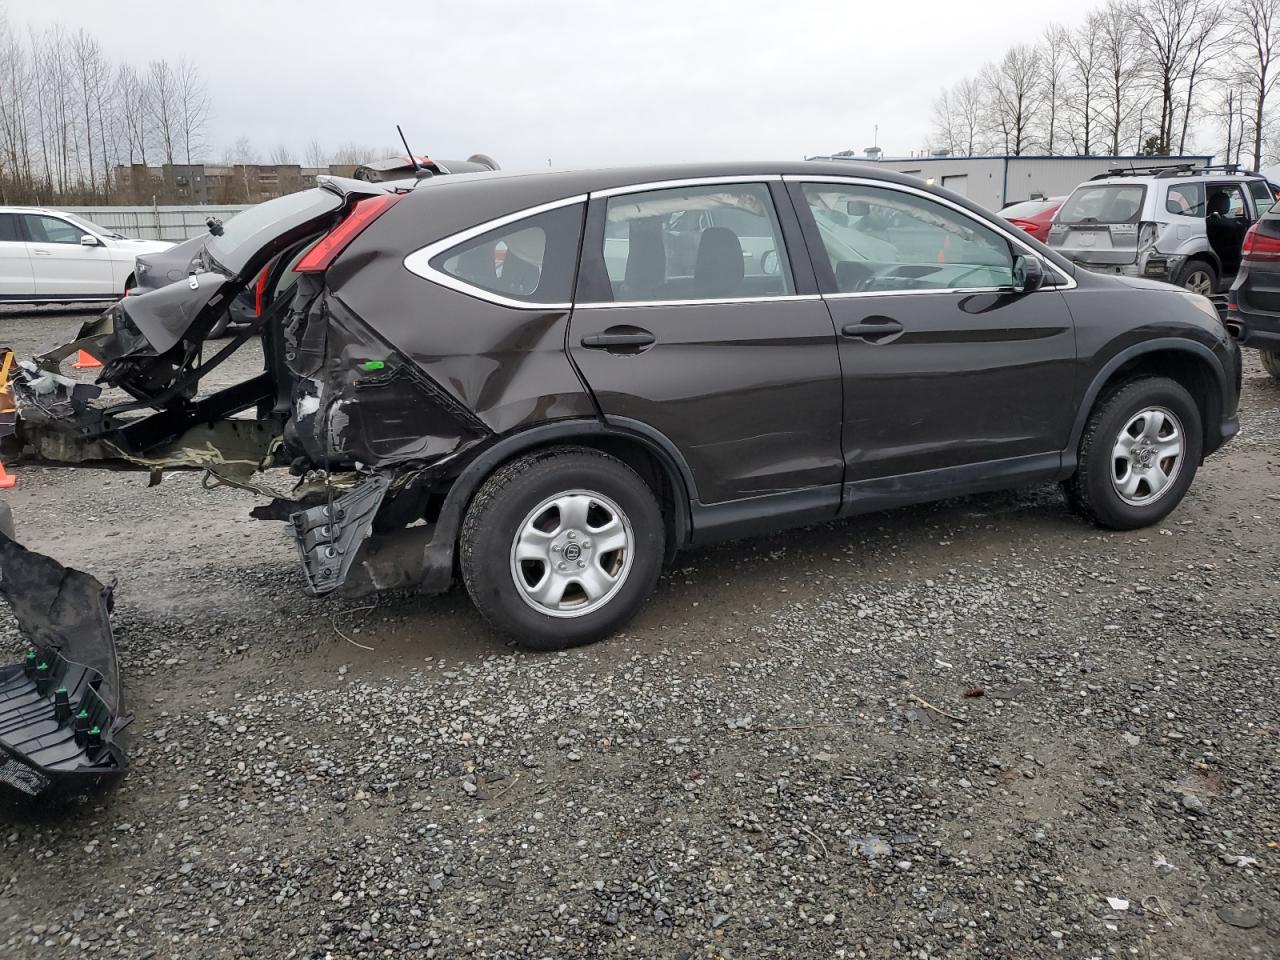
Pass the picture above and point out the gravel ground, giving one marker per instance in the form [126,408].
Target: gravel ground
[974,729]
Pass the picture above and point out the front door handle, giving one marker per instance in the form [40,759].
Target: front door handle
[875,329]
[620,339]
[43,253]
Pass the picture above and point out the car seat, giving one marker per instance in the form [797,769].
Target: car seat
[646,271]
[718,271]
[1224,232]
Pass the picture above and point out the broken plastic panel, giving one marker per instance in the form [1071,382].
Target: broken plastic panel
[61,719]
[330,535]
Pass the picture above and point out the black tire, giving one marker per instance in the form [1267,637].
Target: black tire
[1271,362]
[1190,270]
[1091,491]
[500,509]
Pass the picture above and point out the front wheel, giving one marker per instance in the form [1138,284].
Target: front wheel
[561,547]
[1271,362]
[1138,455]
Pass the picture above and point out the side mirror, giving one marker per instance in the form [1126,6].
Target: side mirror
[857,208]
[1028,274]
[89,240]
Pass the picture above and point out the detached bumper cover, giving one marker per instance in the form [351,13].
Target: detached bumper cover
[61,720]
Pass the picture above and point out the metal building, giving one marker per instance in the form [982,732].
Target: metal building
[995,182]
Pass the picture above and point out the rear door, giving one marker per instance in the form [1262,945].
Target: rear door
[15,262]
[685,324]
[61,265]
[945,368]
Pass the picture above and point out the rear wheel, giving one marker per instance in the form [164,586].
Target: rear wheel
[1271,362]
[561,547]
[1138,455]
[1198,276]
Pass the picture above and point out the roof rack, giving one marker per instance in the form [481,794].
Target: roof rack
[1169,170]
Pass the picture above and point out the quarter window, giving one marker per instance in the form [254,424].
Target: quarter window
[880,240]
[714,242]
[42,229]
[532,260]
[1185,199]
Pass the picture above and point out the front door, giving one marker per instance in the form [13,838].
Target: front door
[15,263]
[695,319]
[61,265]
[949,376]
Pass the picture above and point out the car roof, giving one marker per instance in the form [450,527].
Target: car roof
[1192,176]
[28,210]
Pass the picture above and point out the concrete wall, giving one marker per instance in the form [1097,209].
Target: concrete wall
[155,223]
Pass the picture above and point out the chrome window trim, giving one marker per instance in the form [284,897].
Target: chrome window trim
[1067,282]
[419,261]
[687,182]
[786,298]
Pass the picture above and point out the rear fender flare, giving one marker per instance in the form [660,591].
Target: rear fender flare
[564,432]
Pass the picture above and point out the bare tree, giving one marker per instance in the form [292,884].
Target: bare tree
[132,94]
[283,155]
[15,100]
[163,106]
[971,116]
[91,73]
[192,109]
[317,156]
[1169,32]
[1206,45]
[944,123]
[1013,86]
[1055,60]
[1084,54]
[1259,20]
[1119,66]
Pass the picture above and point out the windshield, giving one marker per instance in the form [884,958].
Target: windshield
[93,227]
[1104,203]
[251,230]
[1027,208]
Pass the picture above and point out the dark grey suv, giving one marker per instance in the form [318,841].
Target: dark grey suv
[551,383]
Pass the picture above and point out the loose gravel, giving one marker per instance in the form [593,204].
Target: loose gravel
[979,728]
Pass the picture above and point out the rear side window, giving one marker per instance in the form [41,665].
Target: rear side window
[9,228]
[249,231]
[532,260]
[1263,198]
[1104,203]
[1185,200]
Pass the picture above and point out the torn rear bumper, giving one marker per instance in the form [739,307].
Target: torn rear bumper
[61,720]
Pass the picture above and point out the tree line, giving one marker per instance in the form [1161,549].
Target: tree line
[70,115]
[1146,77]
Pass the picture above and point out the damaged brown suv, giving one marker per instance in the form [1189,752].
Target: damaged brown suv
[548,384]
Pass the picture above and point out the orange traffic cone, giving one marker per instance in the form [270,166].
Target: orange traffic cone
[7,480]
[85,362]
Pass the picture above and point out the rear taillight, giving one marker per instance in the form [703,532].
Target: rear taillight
[1260,246]
[1025,225]
[319,257]
[1147,234]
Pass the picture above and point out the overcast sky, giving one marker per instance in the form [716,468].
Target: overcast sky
[580,83]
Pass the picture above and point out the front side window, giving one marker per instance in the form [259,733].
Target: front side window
[713,242]
[1226,200]
[881,240]
[1103,203]
[532,260]
[1185,200]
[43,229]
[9,228]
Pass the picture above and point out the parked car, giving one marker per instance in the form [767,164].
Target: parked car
[1033,216]
[47,256]
[1181,224]
[1253,306]
[514,379]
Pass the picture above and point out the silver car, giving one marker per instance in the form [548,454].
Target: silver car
[1182,224]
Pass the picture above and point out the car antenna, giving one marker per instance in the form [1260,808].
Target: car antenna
[419,171]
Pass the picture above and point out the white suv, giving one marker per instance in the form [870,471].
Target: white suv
[51,257]
[1181,224]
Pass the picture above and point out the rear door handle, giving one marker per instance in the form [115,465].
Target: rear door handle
[873,329]
[620,338]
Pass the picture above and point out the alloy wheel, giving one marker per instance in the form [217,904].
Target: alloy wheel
[572,553]
[1199,281]
[1147,456]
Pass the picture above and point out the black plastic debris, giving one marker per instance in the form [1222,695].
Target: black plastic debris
[61,719]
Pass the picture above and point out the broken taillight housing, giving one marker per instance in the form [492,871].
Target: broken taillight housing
[1147,234]
[319,258]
